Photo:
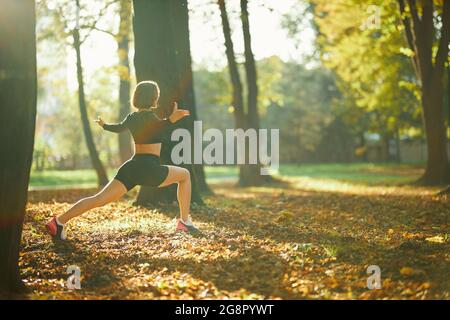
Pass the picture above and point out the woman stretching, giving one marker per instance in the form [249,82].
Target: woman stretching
[144,168]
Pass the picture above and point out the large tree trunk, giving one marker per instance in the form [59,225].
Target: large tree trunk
[17,124]
[448,95]
[419,30]
[249,175]
[437,169]
[123,43]
[180,31]
[162,54]
[102,178]
[447,191]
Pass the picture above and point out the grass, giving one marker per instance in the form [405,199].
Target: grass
[87,178]
[360,173]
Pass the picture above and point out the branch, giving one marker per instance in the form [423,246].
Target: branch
[414,13]
[442,53]
[409,35]
[407,25]
[94,27]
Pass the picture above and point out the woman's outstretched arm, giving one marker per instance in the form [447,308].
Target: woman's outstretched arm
[115,127]
[177,114]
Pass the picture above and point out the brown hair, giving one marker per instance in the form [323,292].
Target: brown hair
[145,95]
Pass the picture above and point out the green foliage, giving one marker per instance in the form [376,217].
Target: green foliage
[296,100]
[370,60]
[59,135]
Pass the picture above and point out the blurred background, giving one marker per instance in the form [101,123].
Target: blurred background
[336,78]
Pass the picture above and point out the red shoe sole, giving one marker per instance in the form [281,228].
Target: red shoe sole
[181,228]
[51,228]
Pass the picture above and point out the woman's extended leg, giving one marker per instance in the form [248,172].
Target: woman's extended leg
[182,177]
[111,192]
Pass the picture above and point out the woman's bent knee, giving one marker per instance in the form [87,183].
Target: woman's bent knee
[186,175]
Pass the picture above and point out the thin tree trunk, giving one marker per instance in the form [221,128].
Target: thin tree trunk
[249,175]
[250,69]
[238,99]
[18,92]
[398,151]
[123,44]
[387,156]
[240,118]
[102,178]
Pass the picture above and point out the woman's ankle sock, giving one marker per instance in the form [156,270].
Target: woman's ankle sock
[187,222]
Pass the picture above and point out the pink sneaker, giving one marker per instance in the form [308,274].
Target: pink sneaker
[56,230]
[182,227]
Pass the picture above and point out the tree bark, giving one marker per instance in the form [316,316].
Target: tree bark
[250,69]
[437,168]
[448,99]
[238,99]
[419,32]
[249,175]
[102,178]
[240,117]
[162,54]
[180,31]
[18,90]
[398,151]
[123,44]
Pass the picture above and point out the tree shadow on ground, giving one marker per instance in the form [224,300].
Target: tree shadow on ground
[261,276]
[349,227]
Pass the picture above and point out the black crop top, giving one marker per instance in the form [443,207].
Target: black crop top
[145,127]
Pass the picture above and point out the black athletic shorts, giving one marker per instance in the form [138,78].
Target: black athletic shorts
[143,170]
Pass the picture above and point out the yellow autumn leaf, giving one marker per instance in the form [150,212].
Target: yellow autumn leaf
[436,239]
[406,271]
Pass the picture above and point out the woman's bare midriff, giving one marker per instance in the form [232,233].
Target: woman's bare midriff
[154,148]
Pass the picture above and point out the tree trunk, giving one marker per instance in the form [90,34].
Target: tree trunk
[249,175]
[448,96]
[250,69]
[238,99]
[240,119]
[398,151]
[123,43]
[387,155]
[180,31]
[18,92]
[429,67]
[162,54]
[437,168]
[102,178]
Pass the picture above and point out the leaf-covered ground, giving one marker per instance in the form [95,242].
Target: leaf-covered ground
[303,238]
